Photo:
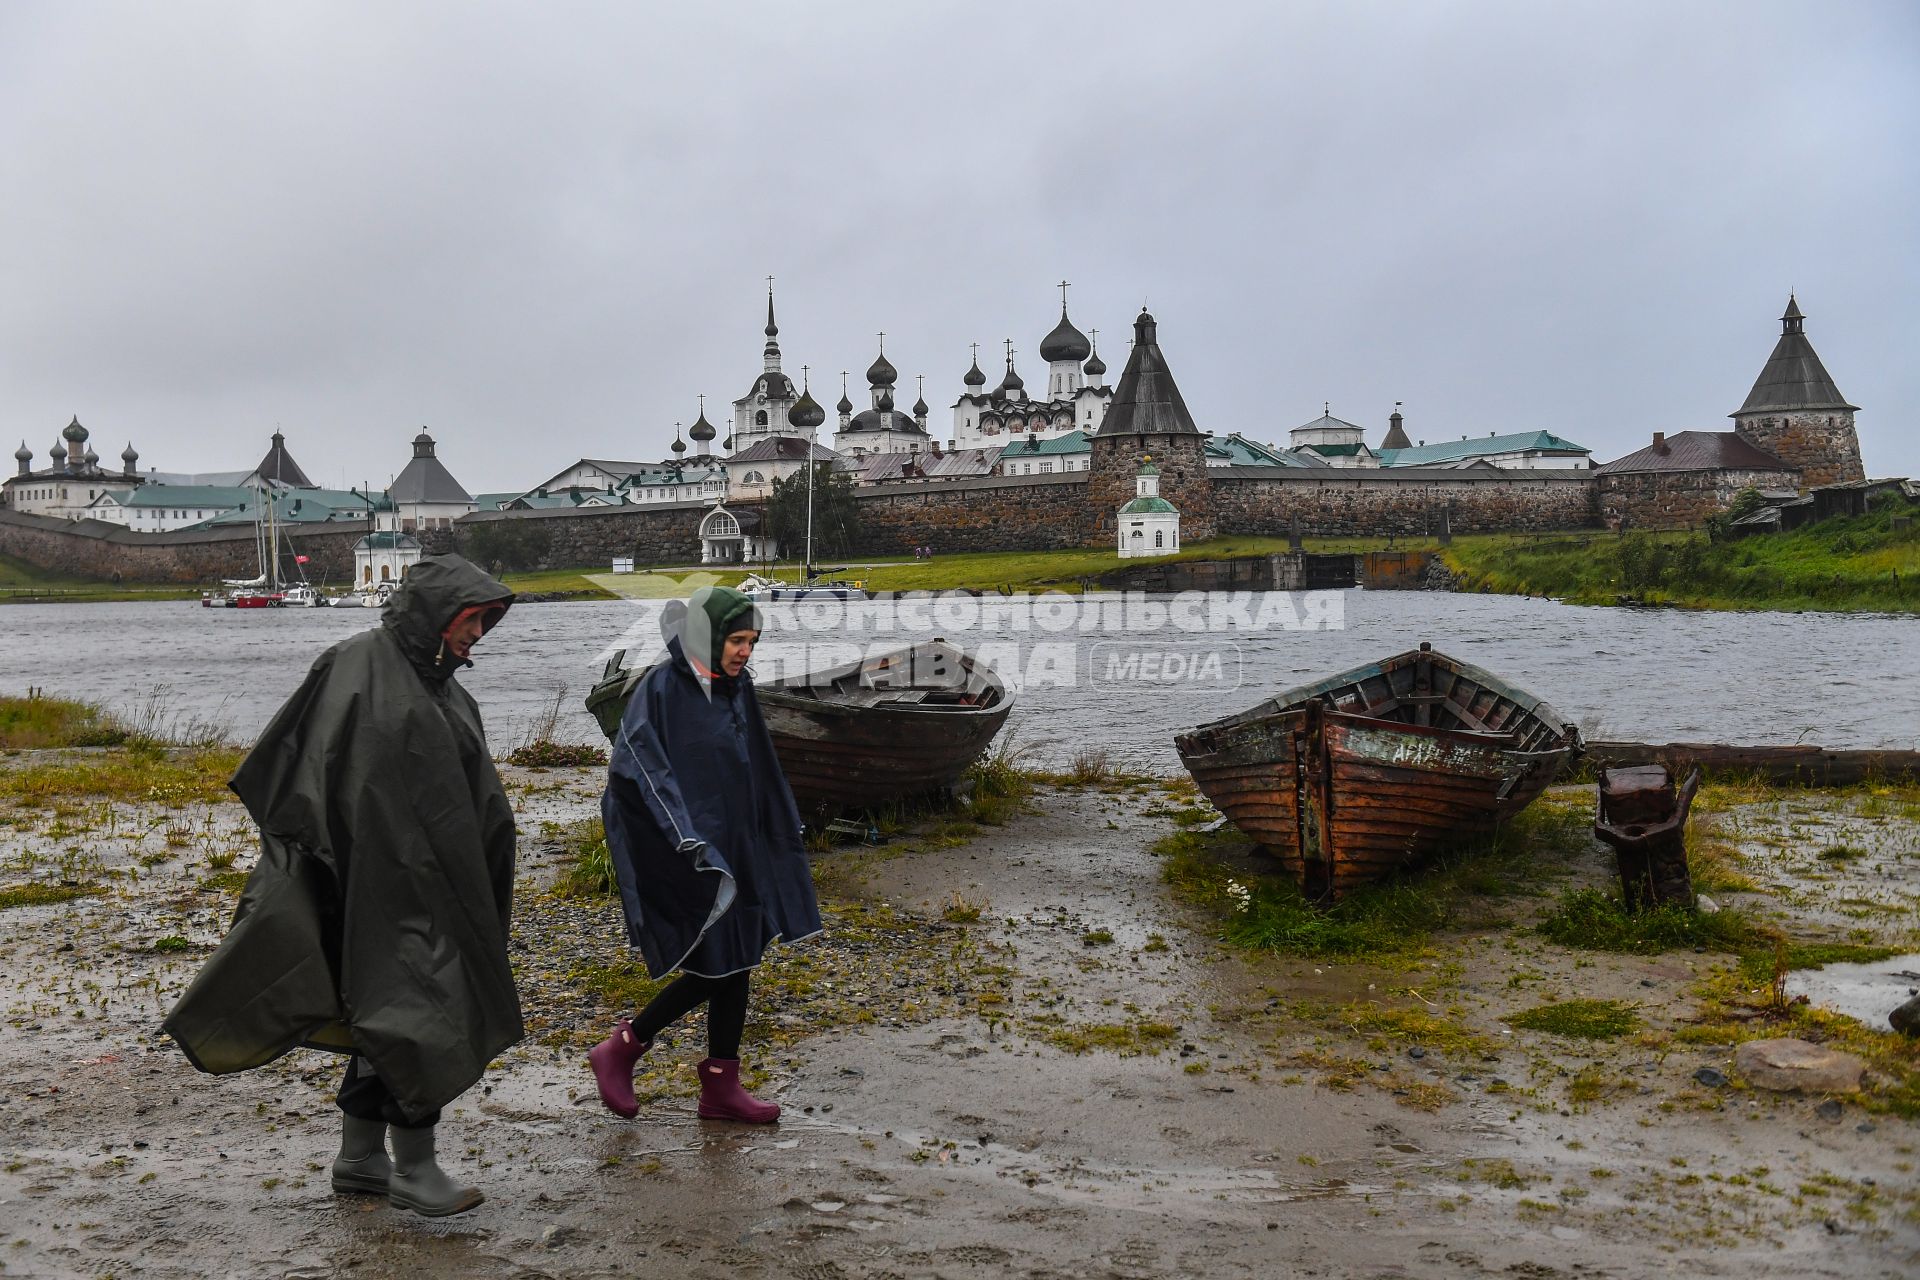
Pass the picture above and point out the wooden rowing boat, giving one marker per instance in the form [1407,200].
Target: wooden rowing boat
[1348,779]
[895,725]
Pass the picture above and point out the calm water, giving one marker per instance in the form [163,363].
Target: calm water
[1653,675]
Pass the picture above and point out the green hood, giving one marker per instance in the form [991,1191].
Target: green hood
[436,588]
[723,611]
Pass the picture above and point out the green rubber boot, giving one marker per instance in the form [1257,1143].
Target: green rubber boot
[362,1164]
[418,1183]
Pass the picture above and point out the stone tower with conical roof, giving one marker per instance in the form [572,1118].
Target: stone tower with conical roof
[1797,414]
[1149,418]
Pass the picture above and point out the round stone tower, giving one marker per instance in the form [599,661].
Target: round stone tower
[1797,414]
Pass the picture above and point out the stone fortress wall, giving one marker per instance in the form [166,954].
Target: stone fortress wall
[1027,513]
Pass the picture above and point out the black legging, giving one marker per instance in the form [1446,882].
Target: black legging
[726,1001]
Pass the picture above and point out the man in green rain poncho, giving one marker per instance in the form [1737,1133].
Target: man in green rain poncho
[376,922]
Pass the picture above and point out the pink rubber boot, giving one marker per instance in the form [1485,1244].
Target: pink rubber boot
[722,1098]
[612,1061]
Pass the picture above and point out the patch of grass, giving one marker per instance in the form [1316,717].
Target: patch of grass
[960,911]
[1128,1039]
[1090,766]
[173,942]
[39,893]
[1496,1173]
[1386,1026]
[546,754]
[229,882]
[1589,920]
[1097,937]
[590,873]
[1580,1019]
[1841,853]
[1394,917]
[172,779]
[36,721]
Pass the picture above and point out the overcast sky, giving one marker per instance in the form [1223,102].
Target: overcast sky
[542,230]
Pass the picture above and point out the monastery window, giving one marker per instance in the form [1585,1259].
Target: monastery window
[386,573]
[760,418]
[1046,468]
[1159,538]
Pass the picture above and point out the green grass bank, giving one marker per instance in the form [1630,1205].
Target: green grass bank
[1857,565]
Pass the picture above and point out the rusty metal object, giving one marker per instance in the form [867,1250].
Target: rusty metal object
[1645,820]
[1346,780]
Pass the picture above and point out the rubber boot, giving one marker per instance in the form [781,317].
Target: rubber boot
[362,1164]
[722,1098]
[418,1183]
[612,1061]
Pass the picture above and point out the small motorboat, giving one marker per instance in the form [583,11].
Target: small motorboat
[1348,779]
[895,725]
[765,590]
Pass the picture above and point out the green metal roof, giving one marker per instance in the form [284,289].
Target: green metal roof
[203,496]
[1072,442]
[1147,505]
[1335,450]
[1478,446]
[387,540]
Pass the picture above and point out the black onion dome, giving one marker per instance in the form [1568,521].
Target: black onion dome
[884,402]
[845,406]
[1096,366]
[974,377]
[23,454]
[806,411]
[701,428]
[129,455]
[920,407]
[1065,342]
[92,459]
[678,445]
[881,372]
[74,431]
[1013,381]
[59,451]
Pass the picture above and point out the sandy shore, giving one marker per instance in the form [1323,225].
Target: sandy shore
[1083,1081]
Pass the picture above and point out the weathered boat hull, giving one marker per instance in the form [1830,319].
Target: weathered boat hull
[897,725]
[1345,796]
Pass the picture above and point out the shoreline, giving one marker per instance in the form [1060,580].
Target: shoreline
[1023,1047]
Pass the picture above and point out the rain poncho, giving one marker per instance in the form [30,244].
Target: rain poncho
[703,832]
[376,920]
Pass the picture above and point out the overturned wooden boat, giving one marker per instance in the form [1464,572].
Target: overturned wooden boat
[894,725]
[1362,773]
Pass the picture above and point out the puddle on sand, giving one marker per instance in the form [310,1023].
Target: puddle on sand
[1868,992]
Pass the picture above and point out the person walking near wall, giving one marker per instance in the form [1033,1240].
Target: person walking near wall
[706,845]
[376,922]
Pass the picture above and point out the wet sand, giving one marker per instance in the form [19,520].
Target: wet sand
[1010,1096]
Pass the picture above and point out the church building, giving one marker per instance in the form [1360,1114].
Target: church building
[1077,397]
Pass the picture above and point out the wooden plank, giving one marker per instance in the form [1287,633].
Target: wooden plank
[1805,765]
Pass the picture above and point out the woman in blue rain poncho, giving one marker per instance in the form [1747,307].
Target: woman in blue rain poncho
[706,845]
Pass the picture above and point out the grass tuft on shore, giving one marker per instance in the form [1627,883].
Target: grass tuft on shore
[1580,1019]
[1393,918]
[1589,920]
[37,722]
[41,893]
